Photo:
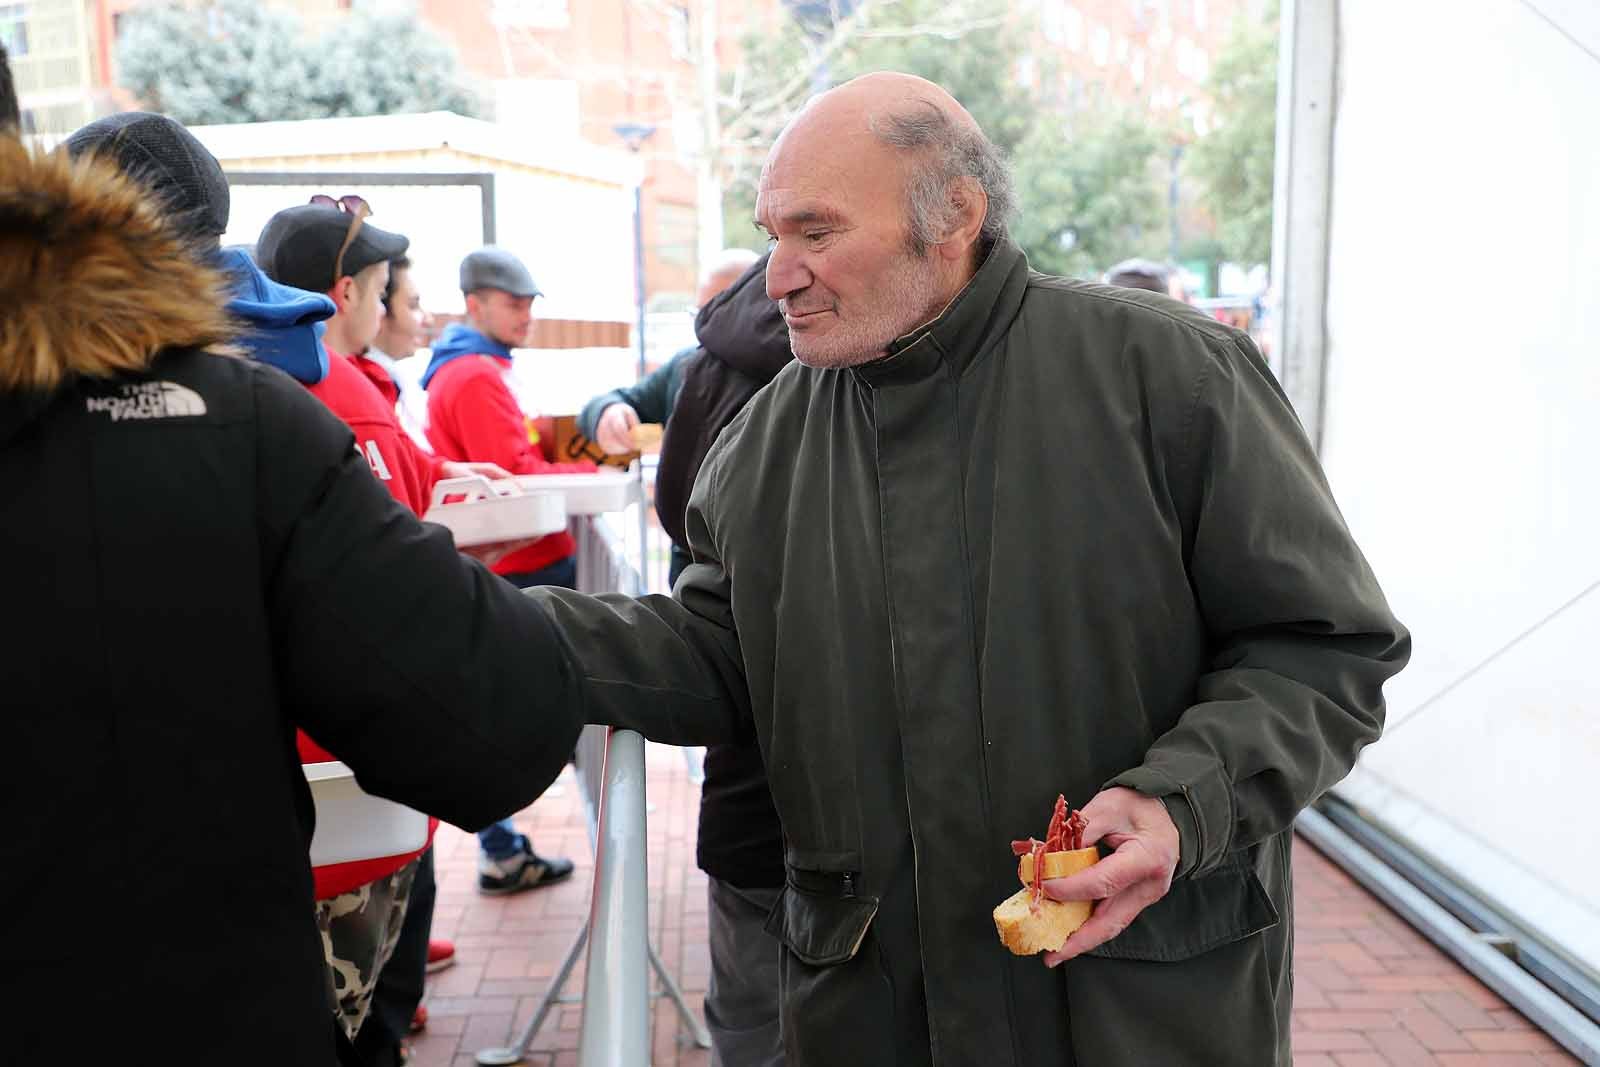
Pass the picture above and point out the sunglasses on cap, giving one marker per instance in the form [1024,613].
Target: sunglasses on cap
[358,209]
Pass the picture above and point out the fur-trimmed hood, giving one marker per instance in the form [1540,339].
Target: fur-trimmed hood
[93,281]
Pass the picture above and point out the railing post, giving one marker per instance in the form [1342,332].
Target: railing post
[616,982]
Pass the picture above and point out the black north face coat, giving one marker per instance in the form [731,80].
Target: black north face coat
[195,560]
[1061,538]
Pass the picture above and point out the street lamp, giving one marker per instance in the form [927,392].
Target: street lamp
[634,135]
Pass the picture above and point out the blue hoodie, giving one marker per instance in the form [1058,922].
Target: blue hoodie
[285,323]
[459,340]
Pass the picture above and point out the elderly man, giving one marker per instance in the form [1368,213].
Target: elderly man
[994,537]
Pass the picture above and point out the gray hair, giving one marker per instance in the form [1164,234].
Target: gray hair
[946,151]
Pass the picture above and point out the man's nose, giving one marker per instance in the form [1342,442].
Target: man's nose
[786,271]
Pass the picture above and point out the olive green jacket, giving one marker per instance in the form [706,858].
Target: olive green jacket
[1061,538]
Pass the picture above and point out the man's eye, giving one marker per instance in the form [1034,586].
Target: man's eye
[816,235]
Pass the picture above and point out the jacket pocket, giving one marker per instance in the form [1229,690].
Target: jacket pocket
[1196,916]
[838,1003]
[821,929]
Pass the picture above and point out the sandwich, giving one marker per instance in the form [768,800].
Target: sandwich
[1029,922]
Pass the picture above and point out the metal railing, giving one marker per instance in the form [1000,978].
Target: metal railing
[610,769]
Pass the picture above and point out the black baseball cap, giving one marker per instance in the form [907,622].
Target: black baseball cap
[299,246]
[164,157]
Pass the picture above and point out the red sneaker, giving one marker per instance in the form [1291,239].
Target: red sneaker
[441,954]
[419,1020]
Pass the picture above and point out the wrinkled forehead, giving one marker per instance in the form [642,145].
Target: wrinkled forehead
[827,167]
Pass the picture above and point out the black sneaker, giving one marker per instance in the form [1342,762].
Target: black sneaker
[525,870]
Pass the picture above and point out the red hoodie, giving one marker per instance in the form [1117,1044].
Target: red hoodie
[408,473]
[404,469]
[472,415]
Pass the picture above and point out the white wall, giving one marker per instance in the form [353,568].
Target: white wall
[1462,428]
[442,222]
[577,240]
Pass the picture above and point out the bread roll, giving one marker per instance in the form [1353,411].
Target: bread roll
[1058,864]
[1025,931]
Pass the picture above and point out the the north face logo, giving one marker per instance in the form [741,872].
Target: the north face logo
[148,400]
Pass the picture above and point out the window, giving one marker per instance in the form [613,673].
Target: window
[14,29]
[678,32]
[1072,27]
[1100,45]
[1052,16]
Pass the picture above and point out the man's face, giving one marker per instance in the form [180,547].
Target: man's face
[362,308]
[404,327]
[833,201]
[501,316]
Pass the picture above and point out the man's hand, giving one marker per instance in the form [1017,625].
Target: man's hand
[452,469]
[1133,877]
[614,431]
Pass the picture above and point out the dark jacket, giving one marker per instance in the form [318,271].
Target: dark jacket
[1063,537]
[651,397]
[743,346]
[196,560]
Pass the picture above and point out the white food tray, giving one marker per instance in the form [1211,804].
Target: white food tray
[354,825]
[488,515]
[587,494]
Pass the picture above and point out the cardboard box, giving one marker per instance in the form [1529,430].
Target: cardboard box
[561,442]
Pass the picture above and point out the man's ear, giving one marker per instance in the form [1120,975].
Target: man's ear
[343,293]
[969,204]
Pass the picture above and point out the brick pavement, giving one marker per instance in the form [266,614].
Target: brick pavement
[1370,992]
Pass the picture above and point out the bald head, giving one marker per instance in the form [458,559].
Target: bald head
[882,197]
[945,158]
[729,265]
[869,99]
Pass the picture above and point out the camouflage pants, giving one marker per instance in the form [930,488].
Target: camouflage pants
[359,931]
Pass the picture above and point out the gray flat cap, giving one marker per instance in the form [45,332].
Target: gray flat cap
[495,268]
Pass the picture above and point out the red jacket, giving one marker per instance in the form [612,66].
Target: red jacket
[404,469]
[379,376]
[408,473]
[472,415]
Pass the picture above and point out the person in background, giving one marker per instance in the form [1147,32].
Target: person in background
[397,1009]
[206,564]
[743,346]
[405,327]
[1143,274]
[474,415]
[608,420]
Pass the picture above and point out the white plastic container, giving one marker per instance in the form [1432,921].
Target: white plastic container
[354,825]
[587,494]
[490,514]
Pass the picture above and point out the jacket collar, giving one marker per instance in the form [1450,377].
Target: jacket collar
[975,320]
